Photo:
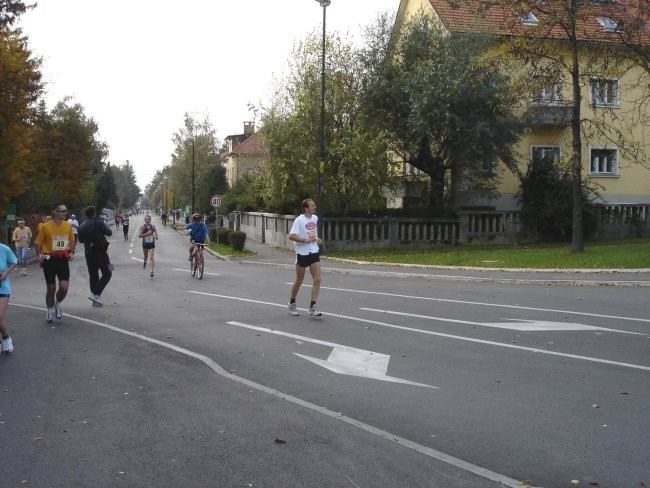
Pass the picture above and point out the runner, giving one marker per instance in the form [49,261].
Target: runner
[93,234]
[149,234]
[125,226]
[7,263]
[22,237]
[55,246]
[304,234]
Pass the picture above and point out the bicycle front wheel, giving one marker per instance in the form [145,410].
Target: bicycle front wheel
[201,266]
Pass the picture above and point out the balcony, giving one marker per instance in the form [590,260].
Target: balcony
[550,115]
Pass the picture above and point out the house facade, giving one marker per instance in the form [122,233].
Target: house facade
[617,161]
[244,153]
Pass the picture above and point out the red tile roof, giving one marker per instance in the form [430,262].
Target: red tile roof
[252,146]
[488,16]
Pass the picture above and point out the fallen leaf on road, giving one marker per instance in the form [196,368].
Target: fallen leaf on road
[595,405]
[280,441]
[575,482]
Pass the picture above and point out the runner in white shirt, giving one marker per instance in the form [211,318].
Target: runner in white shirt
[304,234]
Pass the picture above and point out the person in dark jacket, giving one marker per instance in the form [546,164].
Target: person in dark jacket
[92,233]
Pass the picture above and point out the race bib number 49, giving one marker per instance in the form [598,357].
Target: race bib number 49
[59,243]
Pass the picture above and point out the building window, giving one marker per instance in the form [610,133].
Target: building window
[529,19]
[604,92]
[604,162]
[488,166]
[547,95]
[608,24]
[540,153]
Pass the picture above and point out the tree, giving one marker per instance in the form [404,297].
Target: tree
[20,89]
[10,10]
[196,154]
[126,188]
[106,196]
[357,169]
[447,114]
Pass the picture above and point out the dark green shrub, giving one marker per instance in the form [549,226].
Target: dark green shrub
[237,240]
[213,233]
[224,235]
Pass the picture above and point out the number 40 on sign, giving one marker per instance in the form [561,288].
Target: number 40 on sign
[215,201]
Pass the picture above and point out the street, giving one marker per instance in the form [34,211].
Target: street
[406,381]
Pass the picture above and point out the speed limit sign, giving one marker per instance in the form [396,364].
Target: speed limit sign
[215,201]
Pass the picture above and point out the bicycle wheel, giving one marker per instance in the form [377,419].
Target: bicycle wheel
[201,266]
[193,264]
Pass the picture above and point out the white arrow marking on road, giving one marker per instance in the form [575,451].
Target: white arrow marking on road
[523,325]
[344,359]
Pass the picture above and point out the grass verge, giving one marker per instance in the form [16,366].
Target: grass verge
[617,254]
[226,250]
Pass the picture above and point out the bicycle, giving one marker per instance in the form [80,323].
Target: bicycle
[198,263]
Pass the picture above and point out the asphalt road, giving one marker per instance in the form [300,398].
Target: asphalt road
[412,378]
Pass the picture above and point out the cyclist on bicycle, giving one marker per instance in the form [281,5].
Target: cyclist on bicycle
[198,233]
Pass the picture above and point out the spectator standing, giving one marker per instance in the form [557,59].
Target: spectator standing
[22,237]
[55,247]
[75,227]
[7,263]
[92,234]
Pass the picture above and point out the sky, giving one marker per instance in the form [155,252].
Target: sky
[137,66]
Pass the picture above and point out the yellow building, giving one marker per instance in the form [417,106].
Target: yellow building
[244,153]
[622,177]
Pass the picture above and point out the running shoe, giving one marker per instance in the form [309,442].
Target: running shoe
[314,311]
[293,309]
[57,311]
[50,314]
[96,300]
[151,274]
[7,345]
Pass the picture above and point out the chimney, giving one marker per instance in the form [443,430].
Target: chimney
[249,128]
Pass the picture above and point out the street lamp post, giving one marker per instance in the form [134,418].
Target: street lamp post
[192,210]
[166,196]
[321,165]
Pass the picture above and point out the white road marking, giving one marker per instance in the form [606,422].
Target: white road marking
[344,359]
[440,334]
[522,325]
[386,435]
[187,271]
[483,304]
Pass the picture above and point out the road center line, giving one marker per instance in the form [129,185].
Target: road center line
[483,304]
[502,325]
[402,441]
[448,336]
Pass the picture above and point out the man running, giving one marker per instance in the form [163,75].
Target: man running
[304,234]
[55,247]
[7,263]
[92,234]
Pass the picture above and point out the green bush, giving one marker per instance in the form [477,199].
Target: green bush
[237,240]
[224,235]
[212,229]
